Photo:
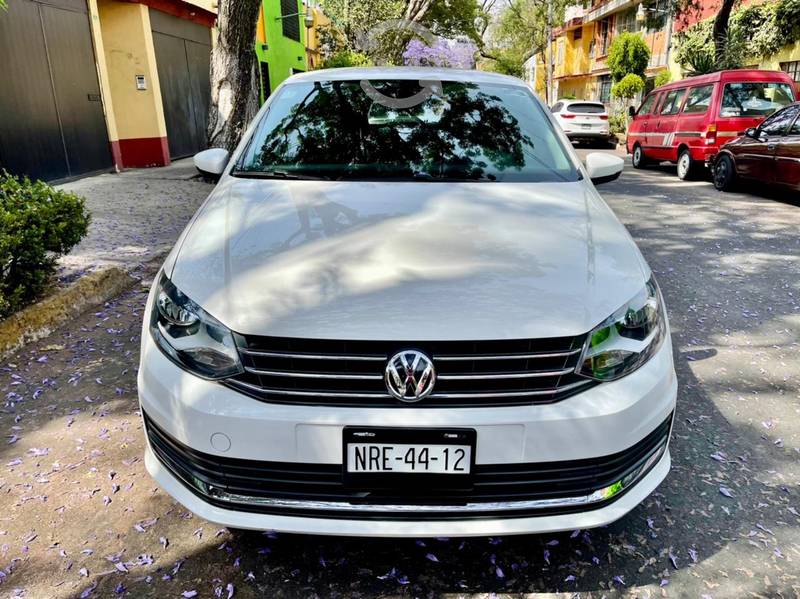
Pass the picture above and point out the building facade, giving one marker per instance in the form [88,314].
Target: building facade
[786,58]
[98,85]
[280,42]
[580,46]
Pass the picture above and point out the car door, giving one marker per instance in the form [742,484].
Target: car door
[666,123]
[637,131]
[787,156]
[756,156]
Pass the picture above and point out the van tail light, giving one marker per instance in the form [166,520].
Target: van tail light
[603,117]
[711,135]
[567,116]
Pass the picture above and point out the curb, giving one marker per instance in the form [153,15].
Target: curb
[40,319]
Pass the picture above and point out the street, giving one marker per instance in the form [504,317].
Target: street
[81,517]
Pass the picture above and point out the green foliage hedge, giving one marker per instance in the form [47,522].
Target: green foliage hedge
[628,54]
[628,86]
[346,58]
[37,224]
[755,31]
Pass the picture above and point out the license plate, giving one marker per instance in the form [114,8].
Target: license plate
[586,125]
[386,456]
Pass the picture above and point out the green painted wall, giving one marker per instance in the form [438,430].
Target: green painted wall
[281,53]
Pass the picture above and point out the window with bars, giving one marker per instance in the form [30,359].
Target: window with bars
[604,88]
[604,31]
[626,21]
[291,24]
[792,68]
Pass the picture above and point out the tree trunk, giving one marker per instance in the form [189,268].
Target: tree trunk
[721,29]
[234,79]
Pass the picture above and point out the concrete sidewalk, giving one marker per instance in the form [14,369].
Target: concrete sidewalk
[136,215]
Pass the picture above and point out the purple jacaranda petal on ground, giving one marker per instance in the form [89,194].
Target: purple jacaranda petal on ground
[189,594]
[725,491]
[431,557]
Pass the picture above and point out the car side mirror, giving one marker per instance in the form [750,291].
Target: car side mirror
[603,168]
[212,162]
[631,111]
[752,132]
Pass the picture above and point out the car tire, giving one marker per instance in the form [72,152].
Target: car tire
[686,165]
[724,173]
[638,159]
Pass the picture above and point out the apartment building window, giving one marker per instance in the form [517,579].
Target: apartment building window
[604,32]
[792,68]
[627,21]
[562,43]
[291,25]
[577,34]
[604,88]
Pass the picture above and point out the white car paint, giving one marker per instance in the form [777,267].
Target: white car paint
[579,125]
[346,260]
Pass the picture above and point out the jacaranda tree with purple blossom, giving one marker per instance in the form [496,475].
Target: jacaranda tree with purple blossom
[443,53]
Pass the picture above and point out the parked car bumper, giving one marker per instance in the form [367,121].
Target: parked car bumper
[205,420]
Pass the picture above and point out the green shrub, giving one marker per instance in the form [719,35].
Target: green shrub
[346,58]
[37,224]
[663,78]
[628,53]
[618,123]
[628,86]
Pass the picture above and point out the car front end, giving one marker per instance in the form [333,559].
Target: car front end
[411,357]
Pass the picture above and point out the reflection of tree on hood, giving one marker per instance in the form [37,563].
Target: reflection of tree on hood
[329,133]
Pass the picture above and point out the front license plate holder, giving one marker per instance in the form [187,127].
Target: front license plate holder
[431,437]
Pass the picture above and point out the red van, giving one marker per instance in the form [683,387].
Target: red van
[688,120]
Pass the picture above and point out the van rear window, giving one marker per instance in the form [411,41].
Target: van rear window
[586,108]
[754,98]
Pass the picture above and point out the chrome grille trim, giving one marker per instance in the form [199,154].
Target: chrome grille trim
[315,375]
[270,354]
[561,354]
[513,375]
[351,373]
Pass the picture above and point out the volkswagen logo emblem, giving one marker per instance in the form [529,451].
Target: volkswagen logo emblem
[410,376]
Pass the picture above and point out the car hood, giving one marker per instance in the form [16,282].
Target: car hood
[407,260]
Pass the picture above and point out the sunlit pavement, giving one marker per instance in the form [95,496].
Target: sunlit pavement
[80,517]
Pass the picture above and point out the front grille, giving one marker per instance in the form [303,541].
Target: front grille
[469,373]
[313,488]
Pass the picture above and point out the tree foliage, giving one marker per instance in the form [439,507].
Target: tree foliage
[663,77]
[628,87]
[346,58]
[628,54]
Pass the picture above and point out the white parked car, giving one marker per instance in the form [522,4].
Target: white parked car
[583,120]
[406,321]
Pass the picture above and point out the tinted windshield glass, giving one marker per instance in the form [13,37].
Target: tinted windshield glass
[755,98]
[471,132]
[587,108]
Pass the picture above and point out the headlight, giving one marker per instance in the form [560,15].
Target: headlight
[627,338]
[191,336]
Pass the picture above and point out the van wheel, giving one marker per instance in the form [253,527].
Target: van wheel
[638,159]
[724,173]
[686,165]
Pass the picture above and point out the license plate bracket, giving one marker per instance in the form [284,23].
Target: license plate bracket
[434,438]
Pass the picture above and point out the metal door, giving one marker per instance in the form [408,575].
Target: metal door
[183,54]
[51,115]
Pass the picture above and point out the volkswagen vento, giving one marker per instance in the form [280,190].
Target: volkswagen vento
[405,310]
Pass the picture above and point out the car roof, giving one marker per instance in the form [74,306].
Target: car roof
[441,74]
[726,76]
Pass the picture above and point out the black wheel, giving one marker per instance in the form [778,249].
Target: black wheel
[724,173]
[638,158]
[686,165]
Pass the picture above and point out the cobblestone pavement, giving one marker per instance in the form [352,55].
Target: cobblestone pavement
[136,215]
[79,516]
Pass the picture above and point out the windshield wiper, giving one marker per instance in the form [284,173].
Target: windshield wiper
[275,175]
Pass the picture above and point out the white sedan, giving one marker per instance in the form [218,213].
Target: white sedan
[406,312]
[583,120]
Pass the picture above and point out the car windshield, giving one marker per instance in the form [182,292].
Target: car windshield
[475,132]
[755,98]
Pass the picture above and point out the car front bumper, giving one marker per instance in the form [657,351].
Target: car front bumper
[213,420]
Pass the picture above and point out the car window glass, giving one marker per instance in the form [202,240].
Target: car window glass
[470,132]
[698,100]
[795,129]
[778,122]
[647,105]
[556,107]
[672,102]
[755,98]
[586,108]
